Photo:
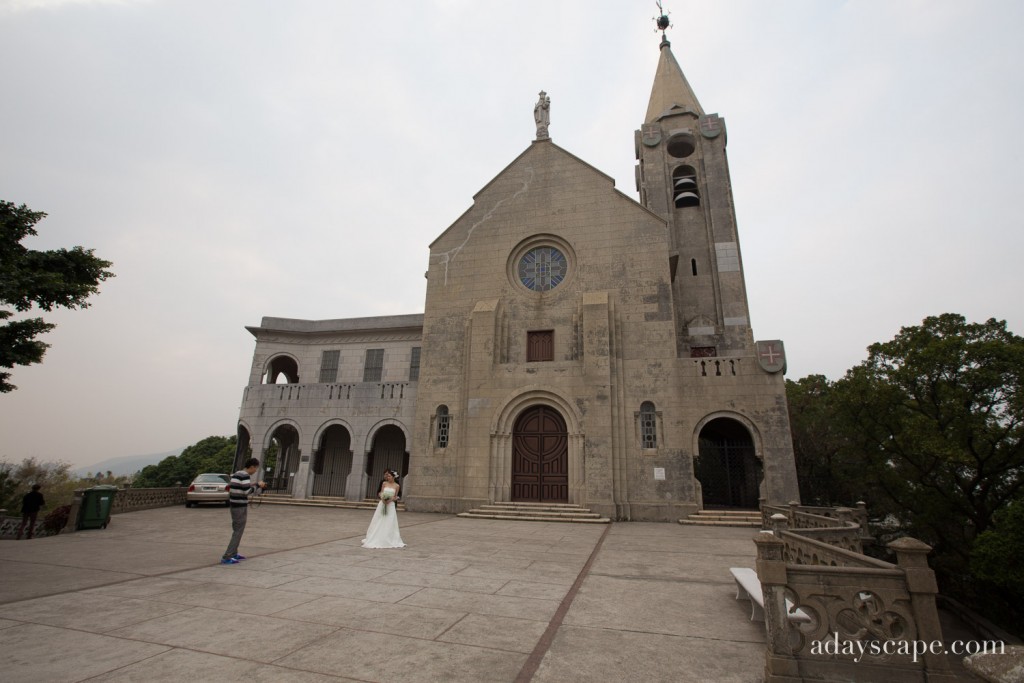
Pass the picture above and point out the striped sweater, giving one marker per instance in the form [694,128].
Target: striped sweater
[240,487]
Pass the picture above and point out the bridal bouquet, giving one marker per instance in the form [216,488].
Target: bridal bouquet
[386,495]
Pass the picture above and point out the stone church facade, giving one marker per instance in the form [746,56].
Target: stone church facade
[576,346]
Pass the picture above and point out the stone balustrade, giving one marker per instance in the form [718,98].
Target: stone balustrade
[868,617]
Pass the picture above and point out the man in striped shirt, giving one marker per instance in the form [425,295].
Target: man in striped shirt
[238,497]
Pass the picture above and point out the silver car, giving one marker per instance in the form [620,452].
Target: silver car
[208,488]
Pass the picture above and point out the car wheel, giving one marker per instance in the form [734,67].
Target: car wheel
[227,503]
[188,503]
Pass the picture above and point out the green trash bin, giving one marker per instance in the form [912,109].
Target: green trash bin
[96,504]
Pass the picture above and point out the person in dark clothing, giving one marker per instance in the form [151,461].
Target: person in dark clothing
[238,498]
[31,503]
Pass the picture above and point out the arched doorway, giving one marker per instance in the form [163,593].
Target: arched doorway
[388,452]
[727,468]
[333,462]
[540,457]
[282,458]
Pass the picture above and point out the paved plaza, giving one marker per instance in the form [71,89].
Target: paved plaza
[467,600]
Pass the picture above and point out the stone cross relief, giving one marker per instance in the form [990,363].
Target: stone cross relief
[542,115]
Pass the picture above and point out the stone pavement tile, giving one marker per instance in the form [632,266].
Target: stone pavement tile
[258,638]
[361,590]
[267,563]
[33,653]
[685,545]
[396,562]
[235,574]
[683,608]
[142,588]
[175,666]
[86,611]
[479,603]
[331,571]
[383,657]
[529,589]
[128,555]
[499,633]
[492,560]
[539,572]
[472,584]
[23,580]
[383,617]
[576,560]
[617,562]
[584,655]
[238,598]
[5,623]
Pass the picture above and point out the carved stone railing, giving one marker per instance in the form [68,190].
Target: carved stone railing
[868,619]
[842,527]
[9,526]
[302,395]
[130,500]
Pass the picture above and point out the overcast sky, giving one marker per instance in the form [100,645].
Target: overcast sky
[236,159]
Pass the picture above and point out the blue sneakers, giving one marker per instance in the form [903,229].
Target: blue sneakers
[228,560]
[240,557]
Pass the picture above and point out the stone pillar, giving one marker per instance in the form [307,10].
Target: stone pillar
[76,507]
[912,559]
[780,664]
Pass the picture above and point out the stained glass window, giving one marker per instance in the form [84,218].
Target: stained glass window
[542,268]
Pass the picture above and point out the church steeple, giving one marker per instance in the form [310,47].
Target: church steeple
[683,176]
[670,88]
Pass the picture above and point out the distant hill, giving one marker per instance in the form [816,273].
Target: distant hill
[128,464]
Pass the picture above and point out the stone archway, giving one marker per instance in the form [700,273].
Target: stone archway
[333,462]
[388,452]
[281,457]
[727,467]
[540,456]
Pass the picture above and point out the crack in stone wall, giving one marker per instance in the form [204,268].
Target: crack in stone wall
[447,257]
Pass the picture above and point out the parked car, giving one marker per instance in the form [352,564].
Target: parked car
[208,488]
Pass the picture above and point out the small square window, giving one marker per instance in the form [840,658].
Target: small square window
[540,345]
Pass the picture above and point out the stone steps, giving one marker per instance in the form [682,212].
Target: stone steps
[738,518]
[537,512]
[323,502]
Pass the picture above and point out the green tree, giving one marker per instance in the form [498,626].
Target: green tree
[58,278]
[998,559]
[828,473]
[212,454]
[937,414]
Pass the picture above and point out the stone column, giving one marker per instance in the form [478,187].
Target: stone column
[780,664]
[912,558]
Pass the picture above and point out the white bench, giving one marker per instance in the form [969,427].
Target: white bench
[748,587]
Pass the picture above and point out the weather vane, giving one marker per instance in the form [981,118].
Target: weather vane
[662,20]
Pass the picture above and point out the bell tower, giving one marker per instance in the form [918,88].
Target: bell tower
[683,176]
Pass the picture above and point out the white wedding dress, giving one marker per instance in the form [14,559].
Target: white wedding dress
[383,529]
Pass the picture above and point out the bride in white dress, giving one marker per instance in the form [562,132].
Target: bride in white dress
[383,529]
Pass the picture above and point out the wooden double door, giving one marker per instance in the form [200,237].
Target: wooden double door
[540,457]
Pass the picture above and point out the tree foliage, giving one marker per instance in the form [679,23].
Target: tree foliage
[938,413]
[16,480]
[826,474]
[212,454]
[57,278]
[928,431]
